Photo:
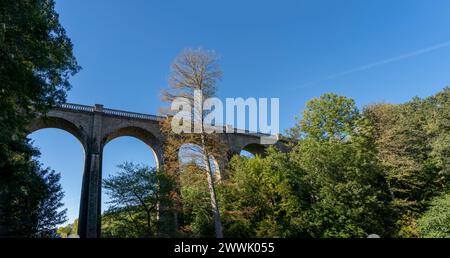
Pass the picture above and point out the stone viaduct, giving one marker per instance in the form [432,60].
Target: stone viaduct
[95,126]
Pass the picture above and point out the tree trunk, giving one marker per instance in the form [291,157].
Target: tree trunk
[212,191]
[149,223]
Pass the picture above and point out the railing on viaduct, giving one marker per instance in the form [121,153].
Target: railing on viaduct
[108,111]
[116,112]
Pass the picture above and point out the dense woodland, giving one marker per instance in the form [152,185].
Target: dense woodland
[350,172]
[36,61]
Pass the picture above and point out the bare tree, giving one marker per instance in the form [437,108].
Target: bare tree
[195,74]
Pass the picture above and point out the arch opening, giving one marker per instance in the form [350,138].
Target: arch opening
[192,154]
[142,135]
[63,152]
[121,148]
[246,154]
[252,150]
[42,123]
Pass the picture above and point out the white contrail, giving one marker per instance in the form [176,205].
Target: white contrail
[379,63]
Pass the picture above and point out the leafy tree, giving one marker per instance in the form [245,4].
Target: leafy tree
[260,198]
[36,61]
[349,174]
[348,197]
[435,222]
[194,74]
[438,107]
[414,151]
[68,230]
[336,151]
[328,117]
[64,232]
[127,222]
[196,218]
[34,202]
[329,184]
[50,214]
[134,196]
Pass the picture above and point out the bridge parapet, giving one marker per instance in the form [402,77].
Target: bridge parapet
[122,113]
[116,112]
[76,107]
[109,111]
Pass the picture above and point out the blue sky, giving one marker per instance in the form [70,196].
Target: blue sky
[372,51]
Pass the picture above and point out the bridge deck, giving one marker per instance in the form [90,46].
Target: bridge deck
[121,113]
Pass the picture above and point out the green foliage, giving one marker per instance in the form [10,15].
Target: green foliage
[49,216]
[133,199]
[33,199]
[196,219]
[329,117]
[413,145]
[330,184]
[127,222]
[36,54]
[438,127]
[69,230]
[258,199]
[349,174]
[435,222]
[64,232]
[36,61]
[348,197]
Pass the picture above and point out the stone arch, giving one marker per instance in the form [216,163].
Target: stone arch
[55,122]
[60,123]
[141,134]
[255,149]
[213,160]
